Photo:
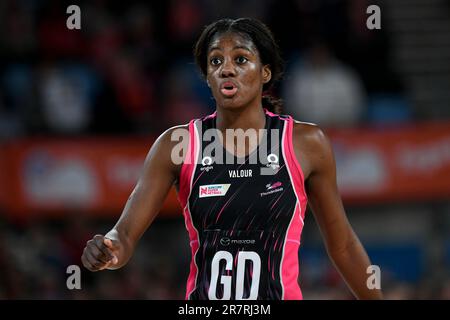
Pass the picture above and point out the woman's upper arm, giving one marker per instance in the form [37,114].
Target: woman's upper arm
[342,244]
[158,175]
[315,151]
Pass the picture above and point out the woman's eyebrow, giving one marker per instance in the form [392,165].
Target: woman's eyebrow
[244,48]
[214,48]
[234,48]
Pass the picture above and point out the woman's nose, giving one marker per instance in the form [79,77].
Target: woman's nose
[228,70]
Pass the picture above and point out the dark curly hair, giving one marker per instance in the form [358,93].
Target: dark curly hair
[262,38]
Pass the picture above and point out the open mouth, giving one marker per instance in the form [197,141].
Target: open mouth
[228,89]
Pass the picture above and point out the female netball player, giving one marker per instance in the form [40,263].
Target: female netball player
[244,218]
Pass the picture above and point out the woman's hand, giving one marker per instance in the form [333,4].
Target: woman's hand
[101,253]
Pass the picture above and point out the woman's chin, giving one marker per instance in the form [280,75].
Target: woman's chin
[230,104]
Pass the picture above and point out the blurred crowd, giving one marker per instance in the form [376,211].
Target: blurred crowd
[34,259]
[130,70]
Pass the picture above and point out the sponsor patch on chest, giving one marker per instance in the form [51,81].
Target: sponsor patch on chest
[213,190]
[272,188]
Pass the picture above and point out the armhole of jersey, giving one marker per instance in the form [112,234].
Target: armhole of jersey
[289,265]
[294,165]
[186,177]
[188,166]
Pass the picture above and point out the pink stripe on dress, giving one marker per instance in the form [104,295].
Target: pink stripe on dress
[186,176]
[289,261]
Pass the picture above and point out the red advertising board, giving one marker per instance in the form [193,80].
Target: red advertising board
[382,164]
[51,176]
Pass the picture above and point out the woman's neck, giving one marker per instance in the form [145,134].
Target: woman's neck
[239,143]
[242,118]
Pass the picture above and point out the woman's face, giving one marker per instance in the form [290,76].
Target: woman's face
[235,73]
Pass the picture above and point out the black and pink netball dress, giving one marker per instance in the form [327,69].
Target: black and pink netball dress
[244,218]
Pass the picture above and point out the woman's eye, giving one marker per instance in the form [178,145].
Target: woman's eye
[215,61]
[241,59]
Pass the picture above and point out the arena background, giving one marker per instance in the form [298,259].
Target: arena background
[79,110]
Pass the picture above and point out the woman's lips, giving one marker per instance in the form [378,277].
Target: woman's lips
[228,89]
[229,92]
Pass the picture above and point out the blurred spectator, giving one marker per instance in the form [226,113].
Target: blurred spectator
[134,90]
[324,91]
[17,110]
[367,51]
[75,233]
[186,94]
[104,34]
[67,95]
[55,40]
[184,22]
[17,30]
[140,32]
[10,124]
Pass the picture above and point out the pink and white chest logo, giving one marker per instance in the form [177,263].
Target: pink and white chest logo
[213,190]
[273,185]
[272,188]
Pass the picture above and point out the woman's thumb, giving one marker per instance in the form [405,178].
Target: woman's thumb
[114,260]
[109,243]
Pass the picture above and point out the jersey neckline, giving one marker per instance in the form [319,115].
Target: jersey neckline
[262,141]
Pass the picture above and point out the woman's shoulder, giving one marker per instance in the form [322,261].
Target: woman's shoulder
[310,137]
[173,137]
[175,133]
[306,130]
[170,133]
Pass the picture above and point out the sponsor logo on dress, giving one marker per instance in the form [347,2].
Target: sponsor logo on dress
[272,188]
[213,190]
[272,165]
[206,164]
[225,241]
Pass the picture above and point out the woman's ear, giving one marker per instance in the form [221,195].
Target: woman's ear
[267,73]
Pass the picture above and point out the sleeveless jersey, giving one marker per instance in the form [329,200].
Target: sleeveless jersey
[244,218]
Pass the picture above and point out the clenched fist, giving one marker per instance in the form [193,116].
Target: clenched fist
[100,253]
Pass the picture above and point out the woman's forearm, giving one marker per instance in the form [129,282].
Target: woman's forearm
[352,262]
[125,248]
